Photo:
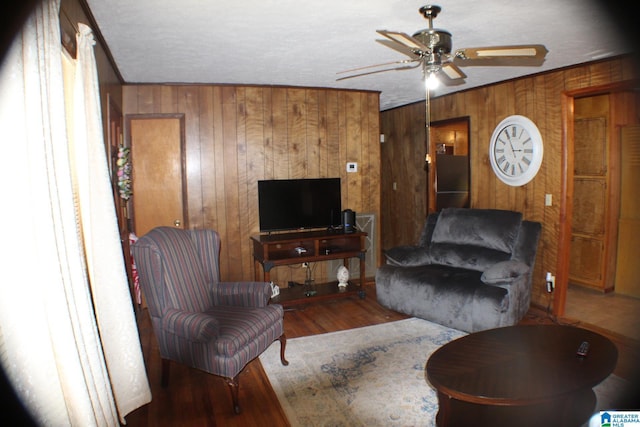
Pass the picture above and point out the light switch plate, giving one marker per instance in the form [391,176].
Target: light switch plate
[352,167]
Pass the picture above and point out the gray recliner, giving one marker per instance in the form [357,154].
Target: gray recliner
[471,270]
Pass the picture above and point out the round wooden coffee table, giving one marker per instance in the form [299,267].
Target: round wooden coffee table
[526,375]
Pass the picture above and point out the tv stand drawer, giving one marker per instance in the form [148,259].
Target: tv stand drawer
[271,250]
[285,250]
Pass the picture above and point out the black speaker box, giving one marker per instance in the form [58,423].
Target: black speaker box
[348,221]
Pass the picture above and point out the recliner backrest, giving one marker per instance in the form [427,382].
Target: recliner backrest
[474,239]
[484,228]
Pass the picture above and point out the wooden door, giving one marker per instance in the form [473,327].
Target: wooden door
[628,268]
[157,162]
[591,182]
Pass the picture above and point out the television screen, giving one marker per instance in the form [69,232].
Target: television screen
[292,204]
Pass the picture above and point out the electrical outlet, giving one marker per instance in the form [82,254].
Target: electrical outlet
[550,281]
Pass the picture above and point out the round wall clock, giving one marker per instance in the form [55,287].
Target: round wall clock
[516,150]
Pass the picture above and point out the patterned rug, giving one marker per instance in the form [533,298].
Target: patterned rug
[371,376]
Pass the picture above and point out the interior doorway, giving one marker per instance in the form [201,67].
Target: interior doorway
[589,249]
[596,189]
[451,167]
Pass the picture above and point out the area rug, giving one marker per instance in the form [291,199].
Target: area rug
[371,376]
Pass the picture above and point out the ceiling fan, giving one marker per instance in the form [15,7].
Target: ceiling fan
[432,48]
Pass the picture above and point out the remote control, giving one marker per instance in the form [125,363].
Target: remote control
[583,349]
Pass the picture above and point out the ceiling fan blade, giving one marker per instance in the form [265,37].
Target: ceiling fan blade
[406,67]
[534,50]
[404,40]
[405,50]
[404,61]
[517,55]
[452,72]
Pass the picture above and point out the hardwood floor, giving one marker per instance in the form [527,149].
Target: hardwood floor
[194,398]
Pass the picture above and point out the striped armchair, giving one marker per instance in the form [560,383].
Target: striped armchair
[199,321]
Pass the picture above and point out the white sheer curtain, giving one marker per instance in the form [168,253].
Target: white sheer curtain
[68,338]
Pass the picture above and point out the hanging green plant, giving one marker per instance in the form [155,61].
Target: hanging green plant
[124,172]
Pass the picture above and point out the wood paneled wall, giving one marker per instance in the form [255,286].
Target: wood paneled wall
[237,135]
[538,97]
[404,179]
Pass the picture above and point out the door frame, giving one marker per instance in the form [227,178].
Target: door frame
[566,184]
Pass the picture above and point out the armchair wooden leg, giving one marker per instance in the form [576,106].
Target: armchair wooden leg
[233,387]
[283,345]
[164,379]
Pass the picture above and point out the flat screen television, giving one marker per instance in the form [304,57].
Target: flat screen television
[296,204]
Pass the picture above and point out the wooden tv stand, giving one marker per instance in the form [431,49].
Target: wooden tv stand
[272,250]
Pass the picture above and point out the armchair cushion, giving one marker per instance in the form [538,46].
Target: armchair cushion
[408,256]
[242,327]
[192,326]
[504,272]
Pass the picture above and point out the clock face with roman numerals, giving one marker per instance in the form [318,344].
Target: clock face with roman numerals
[516,150]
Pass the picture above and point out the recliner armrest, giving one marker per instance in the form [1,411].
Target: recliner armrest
[408,256]
[504,273]
[244,294]
[192,326]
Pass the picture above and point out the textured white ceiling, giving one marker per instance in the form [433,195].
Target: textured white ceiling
[306,43]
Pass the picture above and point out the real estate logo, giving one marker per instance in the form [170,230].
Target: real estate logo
[619,418]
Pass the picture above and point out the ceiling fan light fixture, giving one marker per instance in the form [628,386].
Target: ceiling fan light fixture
[432,82]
